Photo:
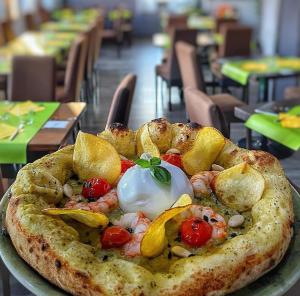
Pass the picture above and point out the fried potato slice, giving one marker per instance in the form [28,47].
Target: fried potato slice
[144,142]
[239,187]
[88,218]
[95,157]
[208,144]
[153,241]
[182,201]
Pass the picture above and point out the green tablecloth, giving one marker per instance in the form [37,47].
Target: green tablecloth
[241,70]
[82,16]
[15,151]
[201,22]
[269,126]
[65,26]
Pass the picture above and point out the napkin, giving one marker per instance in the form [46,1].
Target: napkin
[26,107]
[289,121]
[6,130]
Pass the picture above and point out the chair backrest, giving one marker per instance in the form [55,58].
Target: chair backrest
[190,66]
[201,109]
[75,68]
[1,187]
[99,34]
[224,21]
[2,36]
[186,35]
[176,22]
[32,78]
[30,22]
[7,28]
[237,41]
[91,35]
[44,15]
[121,103]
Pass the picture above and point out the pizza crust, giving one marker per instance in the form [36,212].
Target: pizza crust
[54,250]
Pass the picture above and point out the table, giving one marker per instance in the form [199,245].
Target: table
[35,43]
[202,23]
[262,69]
[65,26]
[82,16]
[48,140]
[244,112]
[203,40]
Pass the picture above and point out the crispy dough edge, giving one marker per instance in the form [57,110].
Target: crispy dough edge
[218,283]
[37,253]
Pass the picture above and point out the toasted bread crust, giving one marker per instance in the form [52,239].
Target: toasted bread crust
[62,259]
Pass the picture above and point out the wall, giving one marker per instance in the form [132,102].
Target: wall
[270,13]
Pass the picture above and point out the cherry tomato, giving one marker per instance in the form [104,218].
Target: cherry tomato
[174,159]
[126,164]
[195,232]
[115,237]
[95,187]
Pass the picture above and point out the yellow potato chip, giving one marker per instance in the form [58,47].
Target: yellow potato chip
[182,201]
[144,142]
[88,218]
[239,187]
[95,157]
[208,144]
[153,241]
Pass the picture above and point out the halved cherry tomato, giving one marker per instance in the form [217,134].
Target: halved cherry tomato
[174,159]
[115,237]
[95,187]
[195,232]
[126,164]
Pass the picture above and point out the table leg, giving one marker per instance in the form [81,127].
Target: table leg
[263,90]
[4,275]
[248,138]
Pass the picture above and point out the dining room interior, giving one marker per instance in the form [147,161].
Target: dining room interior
[82,65]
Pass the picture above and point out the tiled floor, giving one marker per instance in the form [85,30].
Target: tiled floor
[141,59]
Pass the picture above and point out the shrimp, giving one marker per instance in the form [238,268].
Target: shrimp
[104,204]
[138,223]
[201,182]
[217,221]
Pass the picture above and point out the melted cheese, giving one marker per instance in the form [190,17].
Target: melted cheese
[139,191]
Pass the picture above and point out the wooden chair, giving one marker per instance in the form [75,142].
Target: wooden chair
[237,41]
[169,71]
[7,28]
[220,22]
[121,103]
[74,74]
[115,35]
[203,110]
[292,92]
[178,21]
[192,77]
[32,78]
[30,22]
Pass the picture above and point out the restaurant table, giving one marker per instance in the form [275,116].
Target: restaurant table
[244,112]
[263,69]
[65,26]
[201,23]
[35,43]
[203,40]
[48,140]
[82,16]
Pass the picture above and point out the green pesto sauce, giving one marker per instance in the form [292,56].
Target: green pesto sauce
[163,262]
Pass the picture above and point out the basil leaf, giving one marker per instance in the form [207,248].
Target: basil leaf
[155,161]
[143,163]
[161,174]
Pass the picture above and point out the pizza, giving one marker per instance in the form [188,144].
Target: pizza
[169,209]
